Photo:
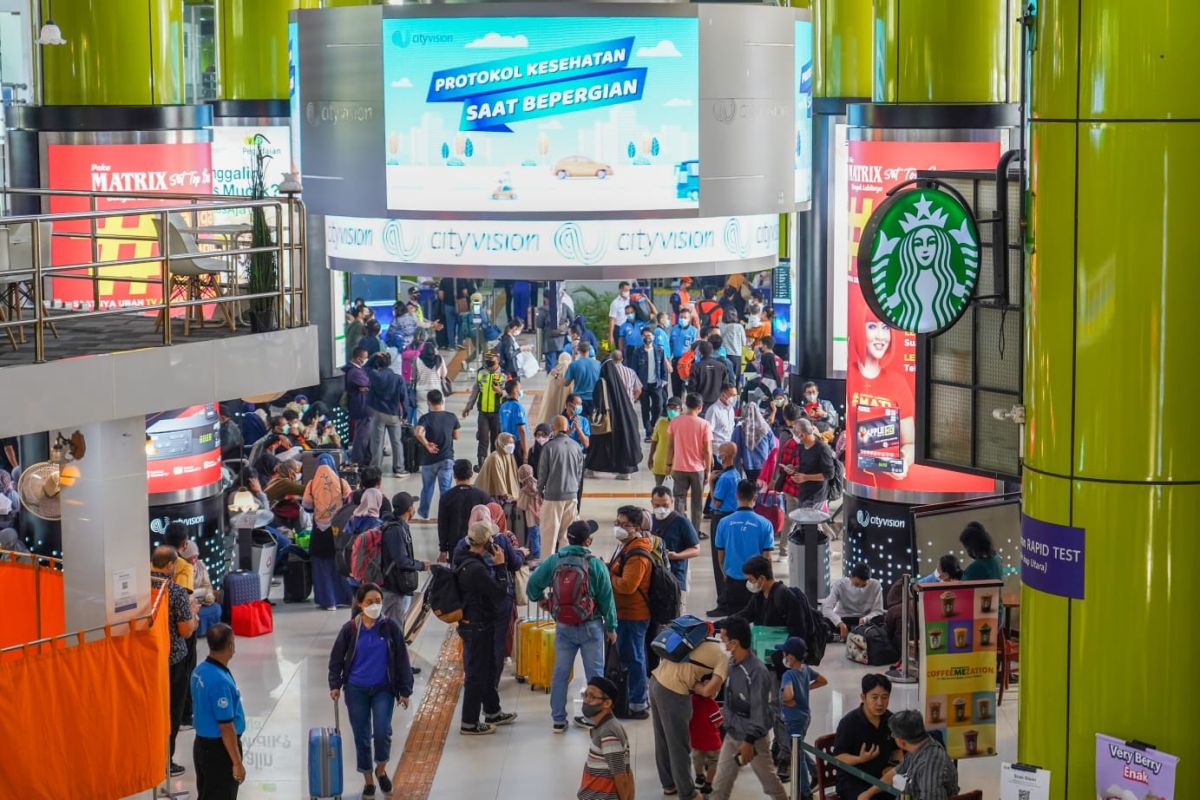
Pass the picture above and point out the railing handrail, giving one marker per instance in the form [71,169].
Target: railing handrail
[15,554]
[31,190]
[59,216]
[107,627]
[841,765]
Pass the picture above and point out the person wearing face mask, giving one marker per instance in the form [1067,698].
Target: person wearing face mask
[182,617]
[514,420]
[369,664]
[739,536]
[650,364]
[660,442]
[772,408]
[720,415]
[733,337]
[498,477]
[819,412]
[751,711]
[680,338]
[560,475]
[608,771]
[541,436]
[630,570]
[487,393]
[709,375]
[583,375]
[806,465]
[618,312]
[677,534]
[357,383]
[220,720]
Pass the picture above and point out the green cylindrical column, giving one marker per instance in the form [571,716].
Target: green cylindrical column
[841,48]
[945,51]
[1111,286]
[252,41]
[118,52]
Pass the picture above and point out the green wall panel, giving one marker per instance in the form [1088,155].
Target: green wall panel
[1054,66]
[1136,366]
[842,58]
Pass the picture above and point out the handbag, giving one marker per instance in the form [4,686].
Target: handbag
[447,386]
[520,582]
[601,424]
[252,619]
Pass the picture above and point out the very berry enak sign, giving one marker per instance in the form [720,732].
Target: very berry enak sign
[918,259]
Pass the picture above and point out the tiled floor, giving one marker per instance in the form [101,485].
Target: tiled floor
[283,683]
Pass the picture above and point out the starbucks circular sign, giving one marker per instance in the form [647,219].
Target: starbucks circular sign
[918,260]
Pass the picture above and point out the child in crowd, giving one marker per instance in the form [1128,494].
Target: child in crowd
[798,679]
[704,731]
[529,502]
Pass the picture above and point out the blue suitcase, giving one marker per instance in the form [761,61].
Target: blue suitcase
[241,586]
[325,760]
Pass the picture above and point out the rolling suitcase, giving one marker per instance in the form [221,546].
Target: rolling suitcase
[325,759]
[242,586]
[411,447]
[297,582]
[526,645]
[616,672]
[542,666]
[418,612]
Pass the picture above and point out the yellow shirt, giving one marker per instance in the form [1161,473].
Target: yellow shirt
[679,677]
[662,445]
[185,574]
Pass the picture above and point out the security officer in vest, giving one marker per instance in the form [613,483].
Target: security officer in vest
[219,720]
[488,393]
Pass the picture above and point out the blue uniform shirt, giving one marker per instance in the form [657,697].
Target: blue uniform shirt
[741,535]
[585,426]
[660,339]
[725,491]
[631,331]
[583,374]
[681,339]
[512,417]
[215,699]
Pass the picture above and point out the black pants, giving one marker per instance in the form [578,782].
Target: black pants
[718,567]
[179,689]
[652,406]
[677,385]
[489,429]
[479,671]
[736,594]
[214,770]
[187,696]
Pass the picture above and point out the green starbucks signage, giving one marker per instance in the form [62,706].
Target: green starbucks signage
[918,259]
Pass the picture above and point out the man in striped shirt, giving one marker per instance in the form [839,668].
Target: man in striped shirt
[926,773]
[607,774]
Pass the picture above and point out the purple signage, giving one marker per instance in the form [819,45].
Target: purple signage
[1133,771]
[1052,557]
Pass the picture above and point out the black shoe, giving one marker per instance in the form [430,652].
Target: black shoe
[176,770]
[704,788]
[585,723]
[503,718]
[385,783]
[718,612]
[701,535]
[785,776]
[478,729]
[638,715]
[368,791]
[416,670]
[560,727]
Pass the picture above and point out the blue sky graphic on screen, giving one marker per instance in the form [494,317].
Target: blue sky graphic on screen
[804,87]
[541,114]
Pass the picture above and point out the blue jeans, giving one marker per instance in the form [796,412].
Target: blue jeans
[533,537]
[450,311]
[551,359]
[441,471]
[587,639]
[370,717]
[631,644]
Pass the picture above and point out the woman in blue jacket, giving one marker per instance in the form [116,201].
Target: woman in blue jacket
[370,663]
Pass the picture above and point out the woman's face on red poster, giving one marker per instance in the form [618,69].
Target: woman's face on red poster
[879,339]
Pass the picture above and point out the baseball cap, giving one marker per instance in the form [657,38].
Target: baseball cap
[605,685]
[794,646]
[480,532]
[579,530]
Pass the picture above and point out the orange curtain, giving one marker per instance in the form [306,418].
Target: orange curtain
[87,720]
[23,593]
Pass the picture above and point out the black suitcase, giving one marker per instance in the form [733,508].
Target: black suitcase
[297,582]
[616,672]
[412,448]
[239,587]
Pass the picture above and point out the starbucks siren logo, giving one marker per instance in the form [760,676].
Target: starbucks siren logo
[918,262]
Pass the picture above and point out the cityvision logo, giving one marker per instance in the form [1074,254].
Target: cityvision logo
[349,235]
[865,520]
[739,243]
[394,241]
[726,109]
[159,524]
[404,38]
[318,113]
[570,244]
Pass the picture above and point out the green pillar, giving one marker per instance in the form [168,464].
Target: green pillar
[945,51]
[252,41]
[841,48]
[118,52]
[1110,378]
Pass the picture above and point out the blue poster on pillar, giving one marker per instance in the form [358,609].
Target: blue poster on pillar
[1052,557]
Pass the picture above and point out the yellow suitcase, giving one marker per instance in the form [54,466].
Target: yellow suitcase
[526,647]
[542,663]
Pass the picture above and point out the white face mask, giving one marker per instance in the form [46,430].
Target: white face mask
[811,397]
[510,448]
[540,439]
[621,534]
[373,611]
[753,587]
[660,512]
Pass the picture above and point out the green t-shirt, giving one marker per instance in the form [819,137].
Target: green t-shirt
[983,569]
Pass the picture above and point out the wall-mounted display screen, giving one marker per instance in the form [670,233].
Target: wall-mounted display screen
[804,131]
[542,114]
[184,451]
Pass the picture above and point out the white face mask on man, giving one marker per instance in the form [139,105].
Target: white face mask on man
[660,512]
[753,588]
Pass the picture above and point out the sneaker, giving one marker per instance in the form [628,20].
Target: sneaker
[368,791]
[385,783]
[717,612]
[585,723]
[704,788]
[185,726]
[623,476]
[590,473]
[785,775]
[400,474]
[643,714]
[415,670]
[478,729]
[503,718]
[646,440]
[560,727]
[176,770]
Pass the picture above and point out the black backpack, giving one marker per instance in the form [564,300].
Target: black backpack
[399,581]
[443,595]
[663,596]
[343,543]
[836,485]
[869,644]
[816,632]
[641,308]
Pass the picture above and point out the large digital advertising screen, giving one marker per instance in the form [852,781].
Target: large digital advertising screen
[233,153]
[882,362]
[804,125]
[177,168]
[542,114]
[294,94]
[184,449]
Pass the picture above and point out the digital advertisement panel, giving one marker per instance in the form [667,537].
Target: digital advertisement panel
[180,168]
[804,131]
[840,245]
[960,625]
[542,114]
[882,362]
[184,451]
[294,93]
[233,153]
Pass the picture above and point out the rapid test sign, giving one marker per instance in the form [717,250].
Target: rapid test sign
[541,113]
[1130,771]
[1052,557]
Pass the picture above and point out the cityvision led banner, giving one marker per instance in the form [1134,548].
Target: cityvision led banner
[804,125]
[541,113]
[584,243]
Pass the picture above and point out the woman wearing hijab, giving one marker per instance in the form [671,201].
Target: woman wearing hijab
[529,504]
[556,388]
[498,475]
[285,482]
[754,439]
[367,515]
[431,371]
[585,334]
[324,496]
[620,450]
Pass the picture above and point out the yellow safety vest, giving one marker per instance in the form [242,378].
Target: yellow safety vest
[489,401]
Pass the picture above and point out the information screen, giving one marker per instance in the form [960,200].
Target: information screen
[804,92]
[541,114]
[184,452]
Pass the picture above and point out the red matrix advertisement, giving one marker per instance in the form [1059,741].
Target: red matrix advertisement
[183,168]
[184,452]
[880,375]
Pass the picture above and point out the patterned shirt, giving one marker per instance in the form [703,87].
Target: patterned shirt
[608,756]
[629,380]
[930,772]
[179,607]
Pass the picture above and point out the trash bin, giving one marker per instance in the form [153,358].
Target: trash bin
[263,552]
[799,555]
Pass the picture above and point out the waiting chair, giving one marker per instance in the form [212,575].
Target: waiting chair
[826,772]
[1008,658]
[16,253]
[195,277]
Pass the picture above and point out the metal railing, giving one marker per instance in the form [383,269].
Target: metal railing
[799,746]
[23,286]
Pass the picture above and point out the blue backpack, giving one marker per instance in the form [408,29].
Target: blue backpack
[679,637]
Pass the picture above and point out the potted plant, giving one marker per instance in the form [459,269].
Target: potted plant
[262,269]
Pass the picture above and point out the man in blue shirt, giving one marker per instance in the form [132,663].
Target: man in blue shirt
[680,338]
[578,426]
[739,536]
[676,531]
[219,720]
[514,420]
[583,375]
[629,334]
[723,497]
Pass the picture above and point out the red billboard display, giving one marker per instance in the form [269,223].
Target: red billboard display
[184,451]
[882,363]
[178,168]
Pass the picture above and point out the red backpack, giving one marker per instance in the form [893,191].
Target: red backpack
[571,601]
[366,557]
